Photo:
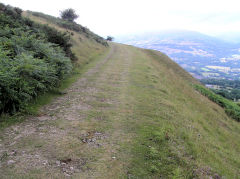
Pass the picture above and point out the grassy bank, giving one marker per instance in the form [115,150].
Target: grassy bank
[179,133]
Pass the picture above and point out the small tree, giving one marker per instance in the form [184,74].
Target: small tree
[110,38]
[69,14]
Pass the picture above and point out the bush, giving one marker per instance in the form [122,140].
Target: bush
[60,38]
[33,59]
[69,14]
[110,38]
[22,79]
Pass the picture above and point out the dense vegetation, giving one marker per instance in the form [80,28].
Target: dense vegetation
[33,59]
[229,89]
[231,108]
[71,26]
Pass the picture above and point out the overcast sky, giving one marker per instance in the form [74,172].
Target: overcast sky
[112,17]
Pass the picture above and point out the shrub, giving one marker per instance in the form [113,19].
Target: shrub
[69,14]
[56,37]
[33,59]
[110,38]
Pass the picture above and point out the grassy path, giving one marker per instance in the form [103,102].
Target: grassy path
[79,134]
[133,114]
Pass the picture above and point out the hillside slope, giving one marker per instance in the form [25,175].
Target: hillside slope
[37,56]
[86,44]
[133,114]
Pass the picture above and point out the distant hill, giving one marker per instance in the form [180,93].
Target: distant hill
[201,55]
[232,37]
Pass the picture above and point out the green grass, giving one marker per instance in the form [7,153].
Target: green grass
[156,144]
[231,108]
[179,133]
[6,120]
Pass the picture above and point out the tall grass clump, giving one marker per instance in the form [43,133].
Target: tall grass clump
[33,59]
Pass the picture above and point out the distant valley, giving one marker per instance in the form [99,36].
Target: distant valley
[201,55]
